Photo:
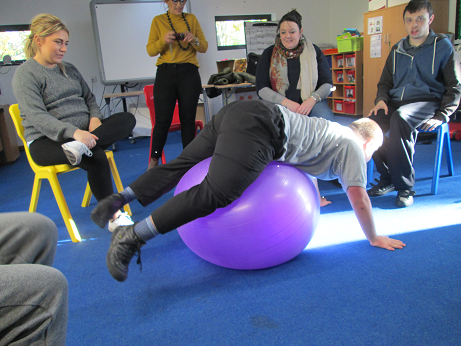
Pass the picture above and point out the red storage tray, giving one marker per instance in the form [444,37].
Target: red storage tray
[350,76]
[339,106]
[349,107]
[350,91]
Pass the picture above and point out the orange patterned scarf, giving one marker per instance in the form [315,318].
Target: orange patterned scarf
[308,65]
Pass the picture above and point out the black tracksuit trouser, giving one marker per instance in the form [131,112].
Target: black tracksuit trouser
[47,152]
[394,159]
[173,82]
[242,138]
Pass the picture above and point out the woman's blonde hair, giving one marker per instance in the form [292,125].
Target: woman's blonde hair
[43,25]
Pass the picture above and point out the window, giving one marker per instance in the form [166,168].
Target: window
[12,38]
[230,30]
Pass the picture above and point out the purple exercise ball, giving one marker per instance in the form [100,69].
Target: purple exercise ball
[271,223]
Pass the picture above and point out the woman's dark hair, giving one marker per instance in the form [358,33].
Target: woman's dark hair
[418,5]
[292,16]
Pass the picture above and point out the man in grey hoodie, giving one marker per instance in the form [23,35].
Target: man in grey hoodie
[419,89]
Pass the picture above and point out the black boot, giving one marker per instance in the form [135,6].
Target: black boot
[382,188]
[106,209]
[123,245]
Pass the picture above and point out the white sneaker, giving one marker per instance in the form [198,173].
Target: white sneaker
[123,220]
[74,151]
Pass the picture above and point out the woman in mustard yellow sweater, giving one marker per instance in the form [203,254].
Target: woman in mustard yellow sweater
[177,37]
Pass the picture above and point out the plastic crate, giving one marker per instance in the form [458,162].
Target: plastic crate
[330,51]
[339,76]
[339,106]
[350,76]
[348,43]
[350,60]
[339,61]
[349,107]
[350,91]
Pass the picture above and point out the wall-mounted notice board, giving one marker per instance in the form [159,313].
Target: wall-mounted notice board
[259,36]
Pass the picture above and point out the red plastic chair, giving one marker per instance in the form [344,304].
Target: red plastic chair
[175,123]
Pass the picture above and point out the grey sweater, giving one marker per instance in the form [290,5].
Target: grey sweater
[324,149]
[53,104]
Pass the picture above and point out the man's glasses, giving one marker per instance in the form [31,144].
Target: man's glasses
[180,1]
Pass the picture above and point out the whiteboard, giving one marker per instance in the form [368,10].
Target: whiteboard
[121,29]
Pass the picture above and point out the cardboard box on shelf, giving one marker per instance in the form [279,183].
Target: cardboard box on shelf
[237,65]
[225,63]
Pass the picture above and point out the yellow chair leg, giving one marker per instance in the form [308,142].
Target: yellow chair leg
[87,196]
[35,194]
[117,180]
[70,224]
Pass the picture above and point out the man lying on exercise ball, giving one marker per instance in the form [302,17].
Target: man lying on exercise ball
[242,139]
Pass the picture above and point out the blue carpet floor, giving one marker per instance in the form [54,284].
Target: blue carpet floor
[339,291]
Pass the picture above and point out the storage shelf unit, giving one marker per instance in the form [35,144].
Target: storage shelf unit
[346,71]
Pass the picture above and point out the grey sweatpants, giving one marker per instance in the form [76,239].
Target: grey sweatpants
[33,295]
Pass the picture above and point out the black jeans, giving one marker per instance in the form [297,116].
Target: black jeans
[175,82]
[394,159]
[242,138]
[46,152]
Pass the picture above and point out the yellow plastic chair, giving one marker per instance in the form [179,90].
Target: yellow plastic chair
[51,173]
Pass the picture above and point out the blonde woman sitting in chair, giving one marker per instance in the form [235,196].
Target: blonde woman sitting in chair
[62,122]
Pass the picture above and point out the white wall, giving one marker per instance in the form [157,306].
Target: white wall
[346,14]
[76,15]
[322,21]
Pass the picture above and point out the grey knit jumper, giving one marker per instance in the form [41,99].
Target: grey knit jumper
[53,104]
